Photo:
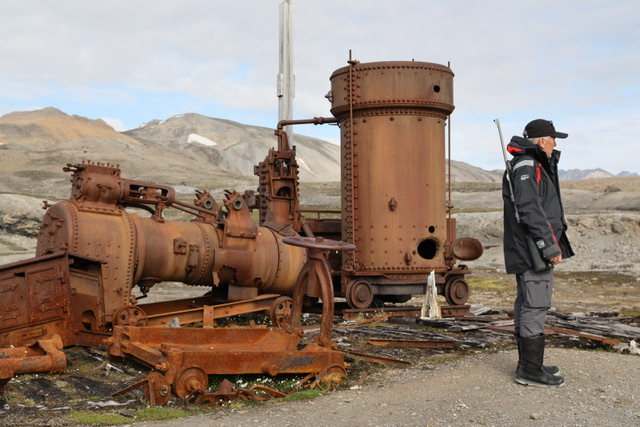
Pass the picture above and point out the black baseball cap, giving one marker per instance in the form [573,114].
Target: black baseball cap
[541,127]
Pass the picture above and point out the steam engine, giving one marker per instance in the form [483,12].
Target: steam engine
[392,118]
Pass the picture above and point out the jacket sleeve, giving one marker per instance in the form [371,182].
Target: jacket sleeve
[527,176]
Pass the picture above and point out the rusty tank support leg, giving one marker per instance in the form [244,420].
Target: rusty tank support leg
[315,281]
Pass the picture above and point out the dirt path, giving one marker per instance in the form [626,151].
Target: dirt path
[603,389]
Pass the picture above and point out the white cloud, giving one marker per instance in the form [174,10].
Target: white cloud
[116,124]
[575,62]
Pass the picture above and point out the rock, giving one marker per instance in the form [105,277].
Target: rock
[20,215]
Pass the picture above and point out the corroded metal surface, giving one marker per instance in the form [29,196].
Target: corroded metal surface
[392,117]
[96,259]
[180,353]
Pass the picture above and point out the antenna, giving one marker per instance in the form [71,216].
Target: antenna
[286,79]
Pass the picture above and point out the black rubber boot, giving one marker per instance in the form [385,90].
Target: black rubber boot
[532,349]
[553,370]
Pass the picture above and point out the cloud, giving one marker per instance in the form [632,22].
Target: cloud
[575,62]
[116,124]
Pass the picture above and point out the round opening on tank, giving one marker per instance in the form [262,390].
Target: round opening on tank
[436,88]
[428,248]
[431,229]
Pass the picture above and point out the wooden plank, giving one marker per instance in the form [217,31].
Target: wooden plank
[419,343]
[378,359]
[588,336]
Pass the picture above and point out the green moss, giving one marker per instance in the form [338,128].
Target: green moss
[97,418]
[107,418]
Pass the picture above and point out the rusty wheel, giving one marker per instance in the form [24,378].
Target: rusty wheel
[280,312]
[330,377]
[189,379]
[359,294]
[130,315]
[456,291]
[159,390]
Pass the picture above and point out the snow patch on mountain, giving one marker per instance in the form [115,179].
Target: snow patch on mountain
[194,138]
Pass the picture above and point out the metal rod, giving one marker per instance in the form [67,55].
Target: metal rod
[313,121]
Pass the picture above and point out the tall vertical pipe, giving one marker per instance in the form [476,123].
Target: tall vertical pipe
[286,83]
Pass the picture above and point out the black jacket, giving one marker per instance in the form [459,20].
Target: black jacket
[537,196]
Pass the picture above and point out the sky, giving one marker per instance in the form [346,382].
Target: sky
[576,62]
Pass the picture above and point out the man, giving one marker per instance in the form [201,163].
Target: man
[540,228]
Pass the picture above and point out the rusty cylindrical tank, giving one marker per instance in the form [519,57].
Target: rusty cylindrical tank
[392,117]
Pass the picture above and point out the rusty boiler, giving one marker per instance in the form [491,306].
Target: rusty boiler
[392,117]
[231,253]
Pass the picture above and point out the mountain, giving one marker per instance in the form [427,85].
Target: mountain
[45,128]
[576,174]
[236,148]
[187,151]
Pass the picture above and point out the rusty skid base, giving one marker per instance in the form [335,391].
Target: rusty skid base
[185,356]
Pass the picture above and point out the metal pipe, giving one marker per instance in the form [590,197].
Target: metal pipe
[313,121]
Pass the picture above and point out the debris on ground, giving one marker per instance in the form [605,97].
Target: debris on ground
[369,345]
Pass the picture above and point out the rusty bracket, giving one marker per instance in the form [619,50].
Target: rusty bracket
[315,281]
[155,386]
[45,356]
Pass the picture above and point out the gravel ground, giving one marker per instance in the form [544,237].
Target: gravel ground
[602,389]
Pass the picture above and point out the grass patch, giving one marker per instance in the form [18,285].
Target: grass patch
[284,382]
[443,358]
[304,395]
[97,418]
[109,418]
[489,284]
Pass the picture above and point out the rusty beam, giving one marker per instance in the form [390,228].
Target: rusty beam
[593,337]
[420,343]
[192,310]
[46,356]
[383,360]
[411,312]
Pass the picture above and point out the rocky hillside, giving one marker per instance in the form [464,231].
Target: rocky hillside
[187,151]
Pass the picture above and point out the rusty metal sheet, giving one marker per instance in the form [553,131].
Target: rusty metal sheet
[36,301]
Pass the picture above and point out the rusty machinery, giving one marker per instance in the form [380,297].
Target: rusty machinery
[392,118]
[395,228]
